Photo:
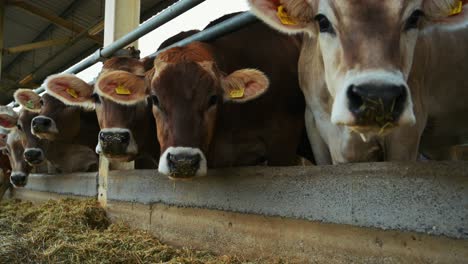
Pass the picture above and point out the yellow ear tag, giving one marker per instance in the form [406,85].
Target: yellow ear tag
[457,10]
[237,93]
[284,17]
[122,90]
[72,92]
[29,104]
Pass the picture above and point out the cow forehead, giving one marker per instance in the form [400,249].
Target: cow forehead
[113,114]
[131,65]
[366,11]
[184,81]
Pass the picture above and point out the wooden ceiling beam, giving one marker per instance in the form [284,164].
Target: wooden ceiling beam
[37,45]
[32,9]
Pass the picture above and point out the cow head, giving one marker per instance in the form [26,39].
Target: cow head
[187,90]
[365,51]
[55,120]
[15,144]
[113,97]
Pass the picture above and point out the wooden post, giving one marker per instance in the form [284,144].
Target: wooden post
[121,17]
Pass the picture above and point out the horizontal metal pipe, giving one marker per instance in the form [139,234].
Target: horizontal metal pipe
[165,16]
[221,29]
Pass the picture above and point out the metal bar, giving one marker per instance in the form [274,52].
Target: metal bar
[54,19]
[155,22]
[223,28]
[38,45]
[165,16]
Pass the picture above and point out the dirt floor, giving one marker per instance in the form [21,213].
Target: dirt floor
[78,231]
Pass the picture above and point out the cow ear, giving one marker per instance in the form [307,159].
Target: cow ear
[71,90]
[8,118]
[445,15]
[28,99]
[122,87]
[289,16]
[244,85]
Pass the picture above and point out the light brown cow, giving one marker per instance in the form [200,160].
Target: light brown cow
[373,72]
[127,128]
[15,142]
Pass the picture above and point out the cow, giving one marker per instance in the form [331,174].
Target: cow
[15,142]
[5,167]
[223,103]
[57,121]
[376,74]
[127,128]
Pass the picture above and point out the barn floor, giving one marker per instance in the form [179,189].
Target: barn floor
[78,231]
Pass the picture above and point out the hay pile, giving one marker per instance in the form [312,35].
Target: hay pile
[73,231]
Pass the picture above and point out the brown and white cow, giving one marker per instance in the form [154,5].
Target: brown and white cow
[57,121]
[127,127]
[15,142]
[373,72]
[226,103]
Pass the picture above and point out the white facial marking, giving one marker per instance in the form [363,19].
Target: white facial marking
[45,135]
[164,167]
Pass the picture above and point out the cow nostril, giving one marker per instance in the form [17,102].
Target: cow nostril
[124,137]
[195,160]
[355,98]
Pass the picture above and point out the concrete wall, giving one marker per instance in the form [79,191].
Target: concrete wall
[430,198]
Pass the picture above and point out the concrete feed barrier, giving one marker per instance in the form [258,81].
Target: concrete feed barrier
[410,212]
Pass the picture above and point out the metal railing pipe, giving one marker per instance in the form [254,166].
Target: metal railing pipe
[218,30]
[165,16]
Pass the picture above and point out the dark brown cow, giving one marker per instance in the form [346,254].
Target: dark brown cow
[206,107]
[127,128]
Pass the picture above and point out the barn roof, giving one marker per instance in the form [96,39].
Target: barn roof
[48,36]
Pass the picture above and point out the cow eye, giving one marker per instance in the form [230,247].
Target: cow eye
[413,21]
[19,127]
[213,101]
[155,100]
[95,98]
[41,102]
[324,24]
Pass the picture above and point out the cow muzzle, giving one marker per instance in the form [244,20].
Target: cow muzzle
[44,127]
[18,179]
[117,144]
[376,105]
[34,156]
[182,163]
[373,103]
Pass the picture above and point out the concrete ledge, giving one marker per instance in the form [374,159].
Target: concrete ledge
[299,241]
[430,198]
[81,184]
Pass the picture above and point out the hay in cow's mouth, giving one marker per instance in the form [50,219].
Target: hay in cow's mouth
[373,113]
[74,231]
